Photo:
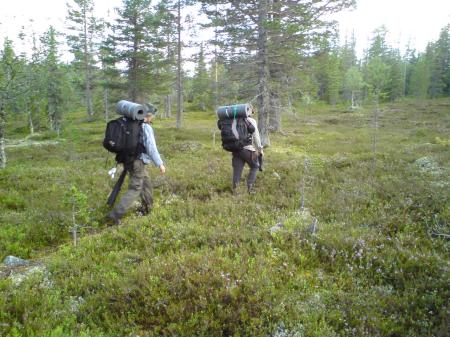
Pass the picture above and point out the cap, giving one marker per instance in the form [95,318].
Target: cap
[150,109]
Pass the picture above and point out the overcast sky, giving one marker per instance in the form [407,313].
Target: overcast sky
[414,21]
[417,21]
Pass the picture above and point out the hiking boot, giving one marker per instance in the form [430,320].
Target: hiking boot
[234,189]
[112,220]
[143,210]
[251,189]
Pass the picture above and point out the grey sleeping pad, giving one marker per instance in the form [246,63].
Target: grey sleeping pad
[131,110]
[234,111]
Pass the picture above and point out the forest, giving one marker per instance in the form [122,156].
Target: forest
[272,54]
[346,236]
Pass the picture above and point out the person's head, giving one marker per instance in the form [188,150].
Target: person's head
[251,111]
[148,118]
[150,112]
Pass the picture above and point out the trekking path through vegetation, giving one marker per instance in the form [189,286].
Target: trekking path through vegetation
[28,141]
[338,240]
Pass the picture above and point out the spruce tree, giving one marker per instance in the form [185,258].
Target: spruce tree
[438,54]
[353,83]
[377,70]
[53,80]
[420,78]
[334,79]
[397,74]
[201,82]
[36,74]
[10,89]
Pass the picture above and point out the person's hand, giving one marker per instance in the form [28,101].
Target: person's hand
[162,169]
[261,152]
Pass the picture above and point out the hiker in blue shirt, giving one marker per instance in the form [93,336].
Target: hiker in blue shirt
[139,182]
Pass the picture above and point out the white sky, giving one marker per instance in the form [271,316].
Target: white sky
[414,21]
[417,21]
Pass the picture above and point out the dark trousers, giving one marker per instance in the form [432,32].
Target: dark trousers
[139,186]
[238,161]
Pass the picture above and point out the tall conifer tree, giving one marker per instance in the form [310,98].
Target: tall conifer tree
[53,80]
[10,87]
[267,30]
[136,36]
[201,82]
[84,29]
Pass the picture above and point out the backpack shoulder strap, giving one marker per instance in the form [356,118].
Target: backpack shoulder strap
[250,127]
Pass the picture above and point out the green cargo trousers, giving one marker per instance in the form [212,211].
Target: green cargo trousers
[139,185]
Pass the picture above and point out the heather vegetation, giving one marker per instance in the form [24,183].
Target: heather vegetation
[339,240]
[347,234]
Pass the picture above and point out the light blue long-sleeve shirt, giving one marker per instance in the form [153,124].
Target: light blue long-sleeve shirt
[151,153]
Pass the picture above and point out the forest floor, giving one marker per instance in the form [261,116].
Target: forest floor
[346,235]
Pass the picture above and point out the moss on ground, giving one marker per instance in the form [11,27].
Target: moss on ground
[206,263]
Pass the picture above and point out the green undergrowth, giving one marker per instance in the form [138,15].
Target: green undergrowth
[339,240]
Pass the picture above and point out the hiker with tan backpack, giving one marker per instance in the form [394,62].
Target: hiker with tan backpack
[240,136]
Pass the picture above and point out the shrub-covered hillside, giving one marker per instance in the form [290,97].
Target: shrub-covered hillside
[346,236]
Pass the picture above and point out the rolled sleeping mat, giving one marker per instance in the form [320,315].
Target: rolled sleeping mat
[234,111]
[131,110]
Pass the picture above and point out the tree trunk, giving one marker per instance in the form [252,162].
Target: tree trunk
[275,113]
[179,80]
[290,107]
[216,70]
[106,103]
[168,106]
[375,131]
[2,137]
[30,122]
[263,75]
[274,69]
[133,66]
[87,69]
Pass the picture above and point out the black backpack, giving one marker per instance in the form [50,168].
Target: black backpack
[122,137]
[244,129]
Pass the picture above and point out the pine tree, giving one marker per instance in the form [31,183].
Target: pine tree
[268,35]
[167,66]
[84,29]
[110,82]
[176,7]
[179,67]
[136,36]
